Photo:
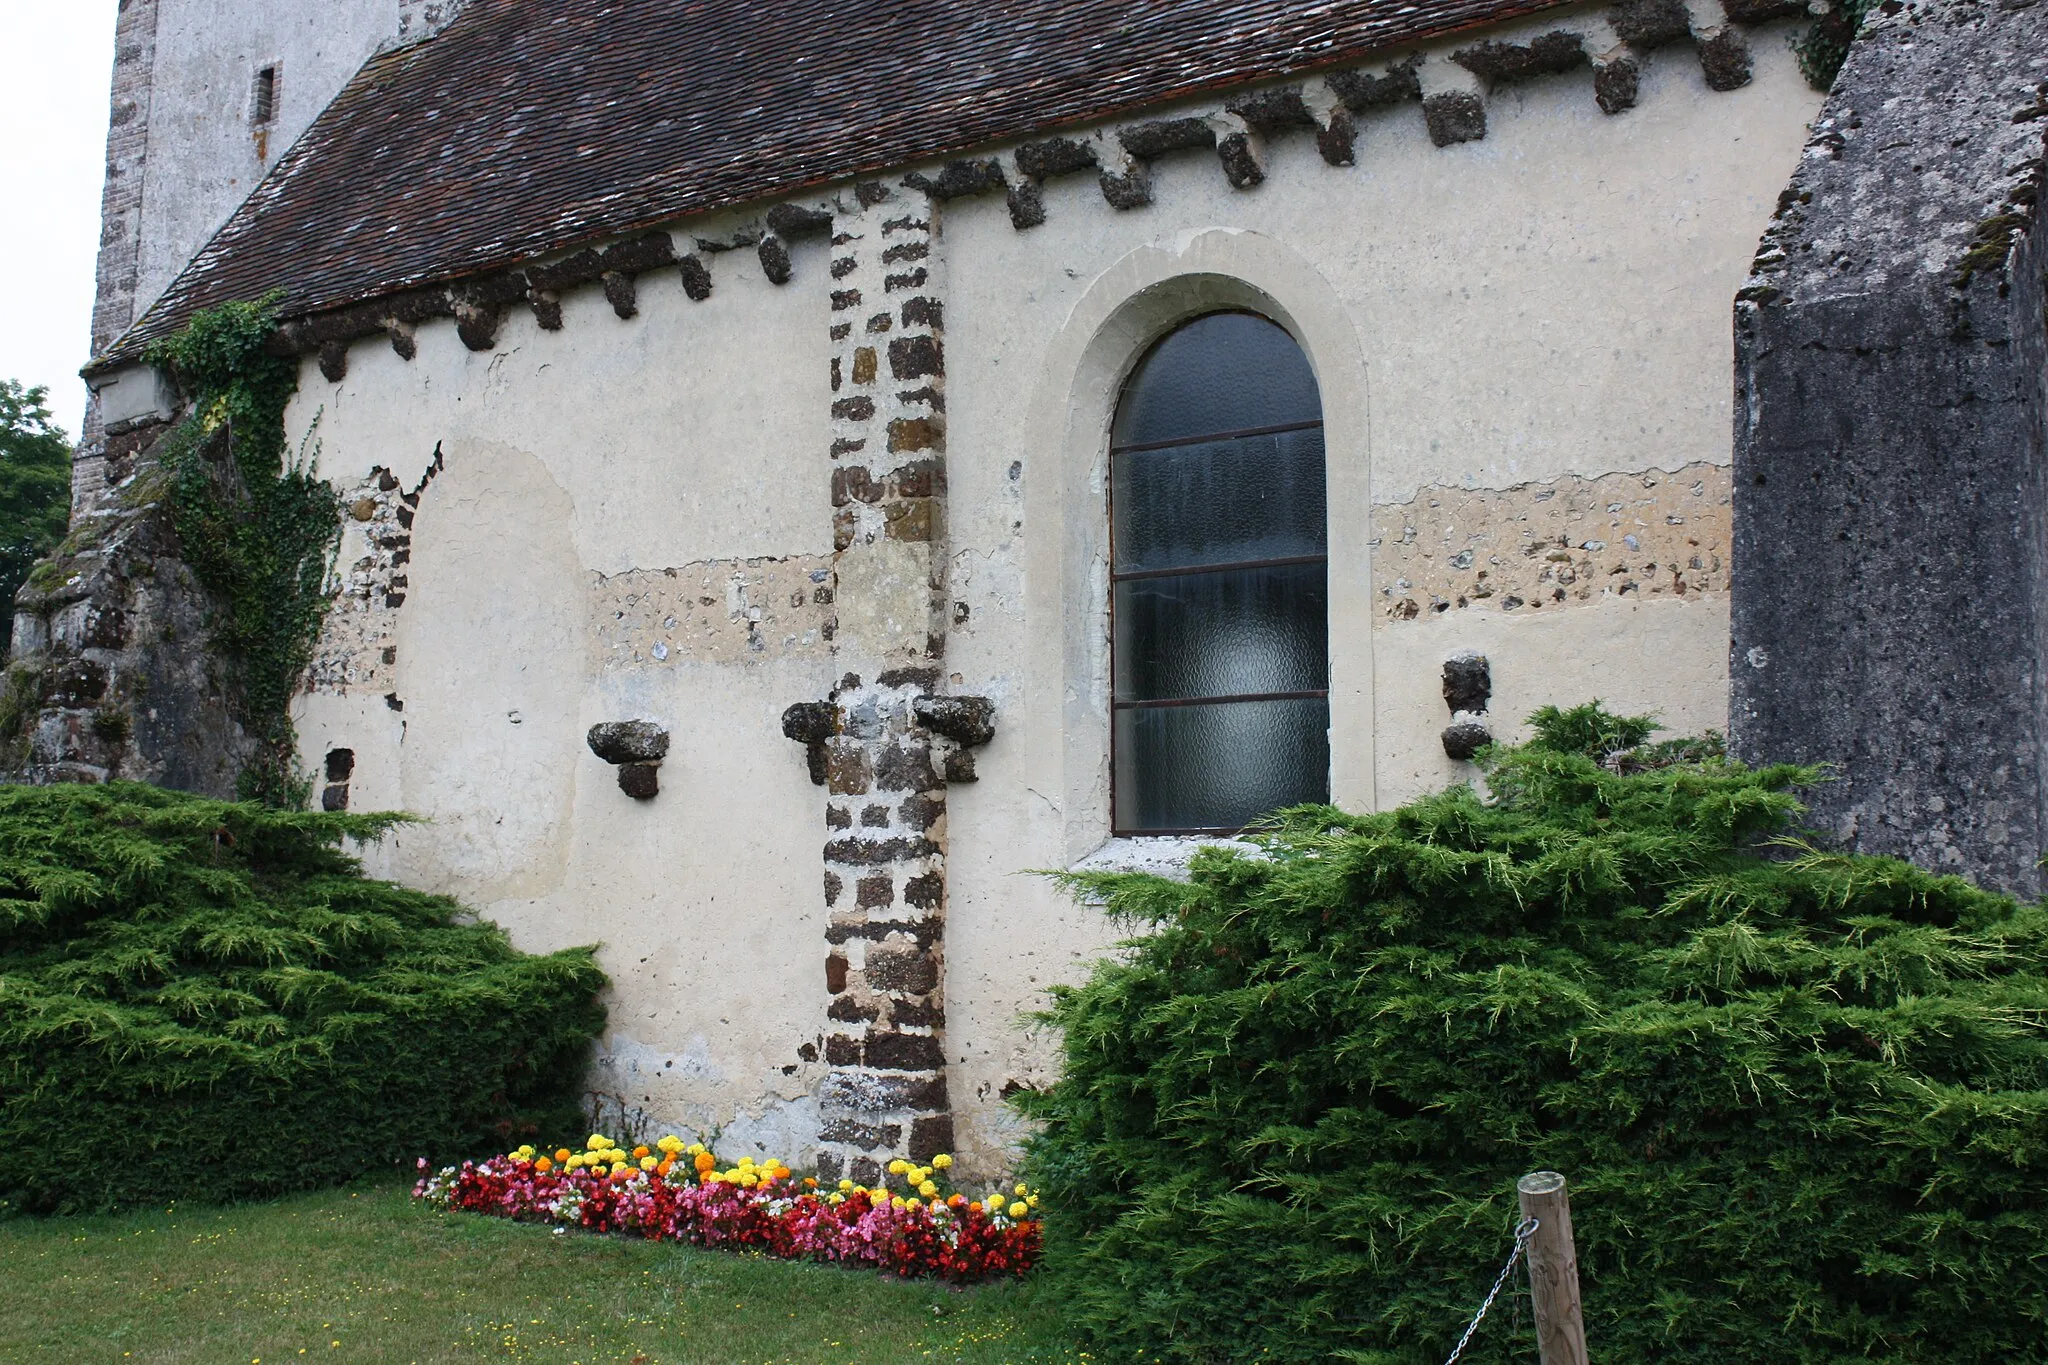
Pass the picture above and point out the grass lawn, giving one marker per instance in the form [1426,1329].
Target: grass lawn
[366,1275]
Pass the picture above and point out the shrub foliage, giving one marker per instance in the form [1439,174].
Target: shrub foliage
[1800,1096]
[205,999]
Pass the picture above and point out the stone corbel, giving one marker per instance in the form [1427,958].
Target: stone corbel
[1468,686]
[968,721]
[636,748]
[811,723]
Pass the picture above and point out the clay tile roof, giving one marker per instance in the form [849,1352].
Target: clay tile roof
[528,125]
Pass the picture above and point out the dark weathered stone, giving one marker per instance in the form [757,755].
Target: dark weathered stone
[641,781]
[1363,90]
[842,1051]
[847,1010]
[1240,164]
[1616,85]
[774,259]
[926,892]
[875,892]
[792,221]
[917,1013]
[1026,203]
[1270,110]
[835,973]
[857,852]
[1724,58]
[923,313]
[1465,739]
[914,357]
[334,796]
[628,741]
[916,676]
[905,1052]
[696,278]
[905,767]
[1891,445]
[1509,63]
[966,720]
[621,293]
[895,969]
[858,409]
[1455,116]
[1054,156]
[931,1136]
[1337,142]
[1129,191]
[1157,138]
[1762,11]
[1647,24]
[958,178]
[334,361]
[1468,682]
[960,766]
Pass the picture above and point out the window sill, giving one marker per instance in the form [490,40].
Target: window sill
[1163,855]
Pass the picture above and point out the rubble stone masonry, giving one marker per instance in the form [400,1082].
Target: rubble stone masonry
[885,773]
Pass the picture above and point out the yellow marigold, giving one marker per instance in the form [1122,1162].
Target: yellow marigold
[648,1163]
[898,1166]
[597,1142]
[927,1189]
[1023,1188]
[670,1144]
[696,1149]
[1019,1209]
[942,1162]
[1032,1201]
[846,1187]
[897,1201]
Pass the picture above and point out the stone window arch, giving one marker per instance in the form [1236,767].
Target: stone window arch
[1220,660]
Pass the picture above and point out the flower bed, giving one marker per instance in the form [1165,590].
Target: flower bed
[912,1224]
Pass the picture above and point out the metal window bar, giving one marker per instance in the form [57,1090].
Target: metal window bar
[1209,437]
[1281,562]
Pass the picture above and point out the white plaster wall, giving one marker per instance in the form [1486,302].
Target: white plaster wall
[204,154]
[1551,300]
[689,434]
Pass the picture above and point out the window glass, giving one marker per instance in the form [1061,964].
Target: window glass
[1219,581]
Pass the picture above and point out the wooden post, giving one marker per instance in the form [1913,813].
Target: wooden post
[1553,1269]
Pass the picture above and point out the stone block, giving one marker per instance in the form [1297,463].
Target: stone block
[912,972]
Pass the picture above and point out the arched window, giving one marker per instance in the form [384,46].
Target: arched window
[1218,569]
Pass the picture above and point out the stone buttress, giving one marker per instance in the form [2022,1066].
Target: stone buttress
[884,744]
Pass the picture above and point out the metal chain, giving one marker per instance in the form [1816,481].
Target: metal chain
[1523,1233]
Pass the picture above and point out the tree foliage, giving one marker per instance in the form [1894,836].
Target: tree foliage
[1802,1097]
[206,999]
[257,529]
[35,485]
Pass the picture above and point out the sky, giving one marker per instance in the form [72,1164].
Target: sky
[55,62]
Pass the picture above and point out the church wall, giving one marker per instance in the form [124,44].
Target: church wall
[593,487]
[1531,332]
[1524,354]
